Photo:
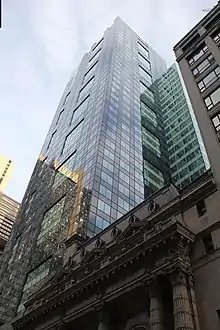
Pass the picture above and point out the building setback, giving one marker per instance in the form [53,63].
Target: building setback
[104,153]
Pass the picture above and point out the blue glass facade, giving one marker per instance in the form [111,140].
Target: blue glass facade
[98,122]
[109,146]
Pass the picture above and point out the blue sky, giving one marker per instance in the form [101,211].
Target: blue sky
[42,42]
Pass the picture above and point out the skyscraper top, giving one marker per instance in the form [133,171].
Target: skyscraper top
[209,18]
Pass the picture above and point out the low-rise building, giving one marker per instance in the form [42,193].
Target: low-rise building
[157,267]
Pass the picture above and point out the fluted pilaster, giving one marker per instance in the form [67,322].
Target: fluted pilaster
[156,309]
[193,301]
[181,304]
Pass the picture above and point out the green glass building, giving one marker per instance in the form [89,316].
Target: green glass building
[186,151]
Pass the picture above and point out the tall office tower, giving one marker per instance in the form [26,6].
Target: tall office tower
[8,212]
[186,153]
[106,145]
[6,167]
[198,56]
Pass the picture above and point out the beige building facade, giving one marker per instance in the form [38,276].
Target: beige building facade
[198,56]
[8,212]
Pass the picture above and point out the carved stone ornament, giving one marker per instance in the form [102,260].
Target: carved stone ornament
[83,253]
[115,232]
[152,206]
[133,218]
[99,243]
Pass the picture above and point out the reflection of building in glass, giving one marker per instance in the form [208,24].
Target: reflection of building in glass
[6,167]
[91,169]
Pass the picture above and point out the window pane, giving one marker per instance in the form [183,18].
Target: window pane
[209,79]
[51,221]
[80,110]
[60,116]
[101,223]
[98,43]
[72,138]
[143,61]
[143,50]
[148,113]
[216,36]
[204,65]
[51,140]
[213,99]
[37,274]
[104,207]
[85,90]
[147,92]
[152,176]
[199,53]
[90,72]
[216,122]
[65,171]
[94,58]
[145,76]
[151,141]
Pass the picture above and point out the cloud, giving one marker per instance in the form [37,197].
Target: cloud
[52,22]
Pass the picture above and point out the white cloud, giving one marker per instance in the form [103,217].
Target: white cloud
[53,23]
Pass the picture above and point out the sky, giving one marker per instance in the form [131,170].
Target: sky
[42,42]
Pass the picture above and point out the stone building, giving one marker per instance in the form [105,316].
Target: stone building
[198,56]
[157,267]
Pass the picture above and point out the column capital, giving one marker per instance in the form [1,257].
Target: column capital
[178,277]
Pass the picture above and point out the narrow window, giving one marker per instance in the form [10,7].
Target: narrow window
[208,243]
[201,208]
[86,89]
[66,98]
[97,44]
[51,140]
[213,99]
[60,116]
[216,122]
[73,137]
[199,53]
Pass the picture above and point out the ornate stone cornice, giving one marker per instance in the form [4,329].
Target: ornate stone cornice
[103,266]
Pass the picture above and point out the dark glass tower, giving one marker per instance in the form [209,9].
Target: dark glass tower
[105,150]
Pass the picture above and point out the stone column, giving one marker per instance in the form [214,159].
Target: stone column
[193,302]
[103,321]
[181,305]
[156,308]
[102,326]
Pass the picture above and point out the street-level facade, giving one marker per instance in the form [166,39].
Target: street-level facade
[155,268]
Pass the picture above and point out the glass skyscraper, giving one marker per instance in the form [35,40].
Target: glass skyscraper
[109,146]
